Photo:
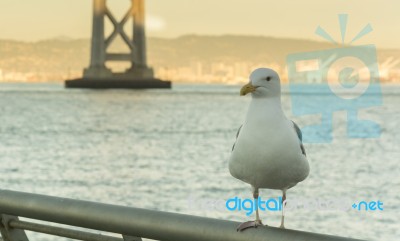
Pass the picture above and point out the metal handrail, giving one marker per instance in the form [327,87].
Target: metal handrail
[135,222]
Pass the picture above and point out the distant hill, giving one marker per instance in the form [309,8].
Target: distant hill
[61,55]
[227,48]
[52,56]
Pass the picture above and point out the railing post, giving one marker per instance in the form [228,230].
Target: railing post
[8,233]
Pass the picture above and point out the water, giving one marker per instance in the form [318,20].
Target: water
[157,149]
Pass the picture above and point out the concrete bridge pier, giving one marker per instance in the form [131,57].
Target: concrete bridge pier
[97,75]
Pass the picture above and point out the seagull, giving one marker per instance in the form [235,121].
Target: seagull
[268,151]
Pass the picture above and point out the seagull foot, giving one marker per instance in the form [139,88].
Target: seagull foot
[249,224]
[282,226]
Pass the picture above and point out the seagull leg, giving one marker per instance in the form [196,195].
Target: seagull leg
[255,196]
[257,222]
[283,201]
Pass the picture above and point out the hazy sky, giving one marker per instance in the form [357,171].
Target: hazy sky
[40,19]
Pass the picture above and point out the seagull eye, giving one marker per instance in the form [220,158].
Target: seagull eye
[268,78]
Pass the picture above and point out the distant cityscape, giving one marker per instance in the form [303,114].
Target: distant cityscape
[190,59]
[196,72]
[218,72]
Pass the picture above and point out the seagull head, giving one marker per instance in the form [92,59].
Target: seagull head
[264,82]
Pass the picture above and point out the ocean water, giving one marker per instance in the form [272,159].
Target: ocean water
[168,150]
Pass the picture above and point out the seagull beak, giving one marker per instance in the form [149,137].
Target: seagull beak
[248,88]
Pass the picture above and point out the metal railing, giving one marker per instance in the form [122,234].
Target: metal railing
[132,223]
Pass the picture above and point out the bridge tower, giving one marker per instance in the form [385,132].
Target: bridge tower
[97,75]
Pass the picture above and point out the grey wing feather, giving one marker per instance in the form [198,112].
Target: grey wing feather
[237,134]
[300,136]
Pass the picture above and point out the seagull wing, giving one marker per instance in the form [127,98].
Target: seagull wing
[237,134]
[300,136]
